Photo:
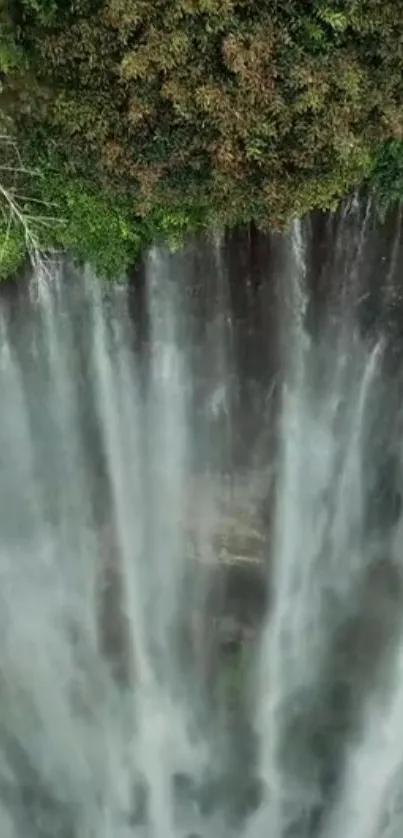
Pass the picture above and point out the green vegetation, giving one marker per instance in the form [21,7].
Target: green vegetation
[12,253]
[387,176]
[139,119]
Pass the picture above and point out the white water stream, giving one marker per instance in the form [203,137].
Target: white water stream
[114,463]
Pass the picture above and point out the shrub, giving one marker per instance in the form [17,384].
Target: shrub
[12,252]
[162,117]
[387,175]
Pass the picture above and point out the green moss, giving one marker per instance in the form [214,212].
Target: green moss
[387,175]
[97,228]
[12,252]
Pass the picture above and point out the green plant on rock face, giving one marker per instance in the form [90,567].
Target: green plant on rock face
[337,20]
[96,225]
[10,55]
[97,230]
[44,11]
[12,252]
[387,176]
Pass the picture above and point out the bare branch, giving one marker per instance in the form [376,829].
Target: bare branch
[14,209]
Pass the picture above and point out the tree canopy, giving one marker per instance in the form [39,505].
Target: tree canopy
[153,118]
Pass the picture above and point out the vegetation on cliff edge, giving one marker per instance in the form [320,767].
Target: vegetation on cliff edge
[137,120]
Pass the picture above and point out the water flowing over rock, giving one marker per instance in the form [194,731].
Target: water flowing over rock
[201,539]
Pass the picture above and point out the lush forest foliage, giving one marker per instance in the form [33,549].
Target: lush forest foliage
[136,119]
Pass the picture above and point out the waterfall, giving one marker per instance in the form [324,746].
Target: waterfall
[194,642]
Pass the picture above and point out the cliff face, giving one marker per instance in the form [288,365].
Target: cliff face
[148,478]
[213,312]
[226,555]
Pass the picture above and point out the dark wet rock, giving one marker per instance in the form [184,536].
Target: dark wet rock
[229,630]
[252,796]
[211,796]
[184,788]
[34,808]
[237,796]
[138,816]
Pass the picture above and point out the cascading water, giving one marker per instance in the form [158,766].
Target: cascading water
[92,563]
[330,747]
[126,515]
